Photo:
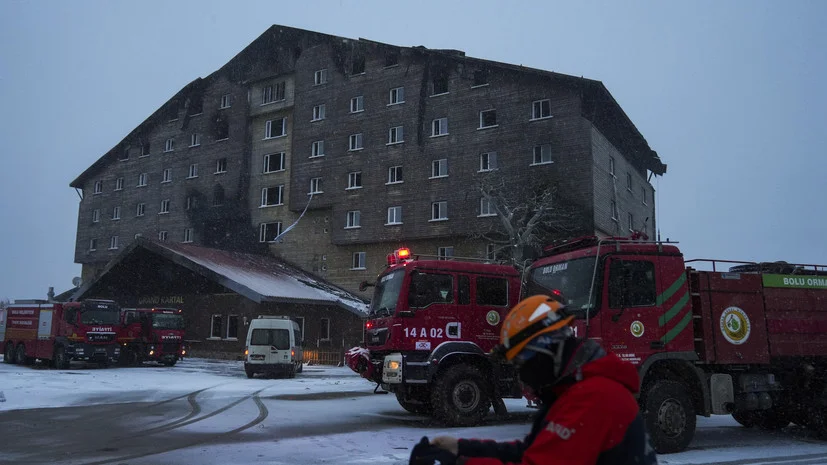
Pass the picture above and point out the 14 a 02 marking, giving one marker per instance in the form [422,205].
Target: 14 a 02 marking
[424,332]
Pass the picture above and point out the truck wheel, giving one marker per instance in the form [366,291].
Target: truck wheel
[61,360]
[461,396]
[8,353]
[21,355]
[250,373]
[291,372]
[300,368]
[747,419]
[669,416]
[414,404]
[773,420]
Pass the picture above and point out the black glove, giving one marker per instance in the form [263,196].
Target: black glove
[425,454]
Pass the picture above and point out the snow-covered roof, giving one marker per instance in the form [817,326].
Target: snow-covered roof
[261,278]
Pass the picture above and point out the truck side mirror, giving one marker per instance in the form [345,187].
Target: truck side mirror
[364,285]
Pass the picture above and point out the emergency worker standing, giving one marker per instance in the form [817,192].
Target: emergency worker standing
[589,414]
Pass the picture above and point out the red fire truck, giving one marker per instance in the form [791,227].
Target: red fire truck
[750,340]
[60,332]
[431,325]
[152,334]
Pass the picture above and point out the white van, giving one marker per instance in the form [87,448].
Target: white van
[273,347]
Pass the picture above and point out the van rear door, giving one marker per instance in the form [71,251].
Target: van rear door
[270,346]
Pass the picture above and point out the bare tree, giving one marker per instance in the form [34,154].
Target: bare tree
[531,215]
[4,303]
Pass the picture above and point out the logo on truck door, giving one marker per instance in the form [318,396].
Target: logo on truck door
[735,325]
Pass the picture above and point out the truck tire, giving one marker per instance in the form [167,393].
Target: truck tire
[250,373]
[300,367]
[747,419]
[461,396]
[770,420]
[61,360]
[669,415]
[419,405]
[21,356]
[8,353]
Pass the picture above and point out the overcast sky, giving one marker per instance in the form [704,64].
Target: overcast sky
[732,95]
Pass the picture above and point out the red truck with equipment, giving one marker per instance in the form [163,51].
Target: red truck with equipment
[750,340]
[60,332]
[152,334]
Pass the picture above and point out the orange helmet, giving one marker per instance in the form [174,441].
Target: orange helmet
[533,316]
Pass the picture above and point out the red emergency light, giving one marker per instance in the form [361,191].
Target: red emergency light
[368,325]
[399,256]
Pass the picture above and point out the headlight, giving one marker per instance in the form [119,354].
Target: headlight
[393,365]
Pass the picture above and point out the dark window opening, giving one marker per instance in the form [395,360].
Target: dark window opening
[215,329]
[391,59]
[440,84]
[222,130]
[358,64]
[124,155]
[196,106]
[232,327]
[324,331]
[218,195]
[480,77]
[631,284]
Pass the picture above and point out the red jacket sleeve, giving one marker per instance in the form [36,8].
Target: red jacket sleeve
[589,418]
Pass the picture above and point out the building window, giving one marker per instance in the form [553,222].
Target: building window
[93,245]
[119,184]
[217,195]
[275,128]
[490,252]
[439,211]
[439,127]
[542,154]
[268,232]
[358,66]
[123,156]
[439,168]
[193,171]
[315,186]
[397,96]
[188,235]
[394,174]
[612,166]
[396,135]
[318,112]
[486,208]
[480,78]
[631,220]
[221,166]
[116,213]
[96,215]
[272,93]
[164,206]
[162,236]
[222,130]
[273,162]
[98,187]
[541,109]
[271,196]
[145,150]
[191,202]
[614,210]
[216,325]
[113,242]
[141,210]
[629,182]
[225,101]
[195,140]
[142,179]
[391,59]
[232,327]
[354,180]
[439,84]
[394,215]
[357,104]
[320,77]
[358,261]
[445,253]
[643,195]
[354,219]
[167,177]
[324,330]
[318,149]
[355,142]
[169,145]
[488,119]
[488,161]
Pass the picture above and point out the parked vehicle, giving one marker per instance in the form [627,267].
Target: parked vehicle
[274,347]
[152,334]
[60,332]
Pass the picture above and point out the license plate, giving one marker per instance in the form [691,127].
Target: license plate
[256,357]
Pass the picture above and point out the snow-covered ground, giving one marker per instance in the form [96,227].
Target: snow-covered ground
[207,412]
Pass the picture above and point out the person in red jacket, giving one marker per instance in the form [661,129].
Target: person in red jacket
[589,414]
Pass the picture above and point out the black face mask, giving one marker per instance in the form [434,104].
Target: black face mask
[538,372]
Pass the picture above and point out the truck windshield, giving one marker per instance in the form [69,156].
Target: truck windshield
[100,317]
[167,321]
[572,278]
[386,294]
